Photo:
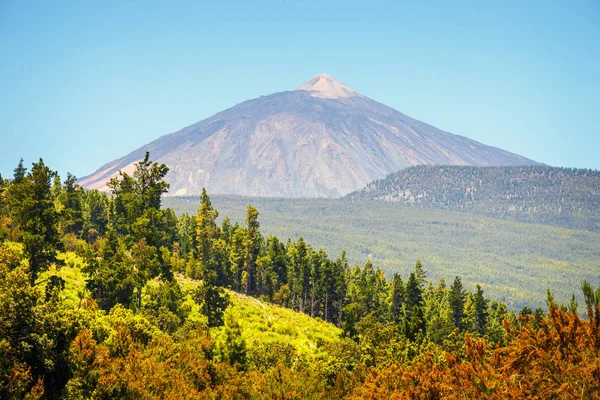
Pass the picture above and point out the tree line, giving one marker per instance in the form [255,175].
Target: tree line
[127,240]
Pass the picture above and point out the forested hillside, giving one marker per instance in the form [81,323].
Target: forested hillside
[514,262]
[114,296]
[564,197]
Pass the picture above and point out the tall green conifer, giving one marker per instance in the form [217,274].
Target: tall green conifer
[39,219]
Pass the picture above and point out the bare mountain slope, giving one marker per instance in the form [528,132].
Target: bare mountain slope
[320,140]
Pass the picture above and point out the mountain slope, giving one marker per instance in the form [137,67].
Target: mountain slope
[541,194]
[321,140]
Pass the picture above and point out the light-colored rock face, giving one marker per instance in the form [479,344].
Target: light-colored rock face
[322,140]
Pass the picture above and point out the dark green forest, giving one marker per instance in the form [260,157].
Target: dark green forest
[566,197]
[514,262]
[111,295]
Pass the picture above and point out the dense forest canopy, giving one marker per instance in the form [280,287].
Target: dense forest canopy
[114,296]
[566,197]
[514,262]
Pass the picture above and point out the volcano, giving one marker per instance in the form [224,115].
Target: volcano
[321,140]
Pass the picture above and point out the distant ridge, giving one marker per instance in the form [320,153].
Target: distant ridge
[321,140]
[564,197]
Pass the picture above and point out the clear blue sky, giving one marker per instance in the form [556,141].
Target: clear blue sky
[85,82]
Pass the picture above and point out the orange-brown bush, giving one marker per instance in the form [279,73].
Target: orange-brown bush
[560,359]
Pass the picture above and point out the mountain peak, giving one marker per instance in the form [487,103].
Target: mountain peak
[327,87]
[325,140]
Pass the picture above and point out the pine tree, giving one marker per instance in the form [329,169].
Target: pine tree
[420,273]
[233,349]
[327,286]
[219,262]
[125,207]
[39,219]
[58,195]
[206,229]
[95,215]
[497,314]
[318,263]
[277,254]
[265,277]
[72,214]
[353,313]
[457,302]
[150,184]
[414,307]
[252,248]
[481,310]
[146,266]
[236,258]
[212,299]
[438,313]
[19,173]
[137,202]
[339,295]
[18,191]
[226,230]
[186,231]
[380,296]
[398,298]
[297,254]
[366,287]
[111,273]
[469,320]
